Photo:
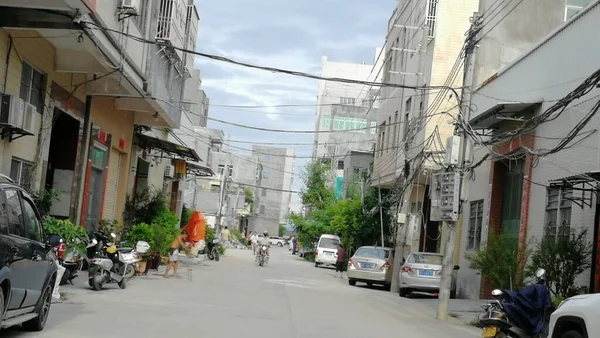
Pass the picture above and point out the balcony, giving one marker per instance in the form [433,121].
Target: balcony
[132,72]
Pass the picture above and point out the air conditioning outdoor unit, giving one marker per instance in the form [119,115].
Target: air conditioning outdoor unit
[11,110]
[169,171]
[28,117]
[130,7]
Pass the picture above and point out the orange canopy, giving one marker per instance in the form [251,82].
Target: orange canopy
[196,227]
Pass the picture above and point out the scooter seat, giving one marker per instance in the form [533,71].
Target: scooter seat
[125,250]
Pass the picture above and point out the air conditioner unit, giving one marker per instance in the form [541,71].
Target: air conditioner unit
[28,117]
[11,110]
[130,7]
[169,171]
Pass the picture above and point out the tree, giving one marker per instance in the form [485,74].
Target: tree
[564,258]
[249,199]
[316,194]
[498,261]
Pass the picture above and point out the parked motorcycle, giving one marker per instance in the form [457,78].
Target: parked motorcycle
[262,256]
[133,256]
[524,313]
[212,251]
[107,265]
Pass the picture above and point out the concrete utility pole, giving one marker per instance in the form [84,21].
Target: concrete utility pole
[465,108]
[222,195]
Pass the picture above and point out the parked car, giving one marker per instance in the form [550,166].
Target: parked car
[27,259]
[326,252]
[576,317]
[422,272]
[280,242]
[371,265]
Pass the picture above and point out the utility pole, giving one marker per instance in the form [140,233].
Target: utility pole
[381,214]
[463,119]
[222,195]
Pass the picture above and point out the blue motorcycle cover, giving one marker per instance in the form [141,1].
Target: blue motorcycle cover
[526,308]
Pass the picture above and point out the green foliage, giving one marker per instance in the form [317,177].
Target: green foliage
[564,258]
[316,194]
[356,220]
[236,234]
[145,206]
[210,234]
[498,261]
[556,300]
[115,227]
[249,198]
[140,232]
[43,200]
[162,238]
[281,230]
[166,219]
[185,215]
[73,236]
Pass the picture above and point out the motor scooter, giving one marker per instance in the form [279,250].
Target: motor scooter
[212,250]
[262,256]
[132,256]
[521,314]
[107,265]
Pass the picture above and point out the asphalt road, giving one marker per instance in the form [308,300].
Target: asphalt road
[235,298]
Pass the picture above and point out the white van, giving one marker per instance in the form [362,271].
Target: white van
[326,252]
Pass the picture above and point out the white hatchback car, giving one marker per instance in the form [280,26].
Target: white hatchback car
[576,317]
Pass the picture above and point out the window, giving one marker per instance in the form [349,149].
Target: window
[325,122]
[395,129]
[261,210]
[373,253]
[32,86]
[20,172]
[15,213]
[574,6]
[558,212]
[230,170]
[221,169]
[265,174]
[421,108]
[33,224]
[347,100]
[339,123]
[340,165]
[264,192]
[407,107]
[431,17]
[329,243]
[431,259]
[475,224]
[382,138]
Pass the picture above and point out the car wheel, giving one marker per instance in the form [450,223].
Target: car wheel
[404,292]
[1,305]
[352,282]
[316,265]
[279,244]
[43,309]
[572,334]
[123,283]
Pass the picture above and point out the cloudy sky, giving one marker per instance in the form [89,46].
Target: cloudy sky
[284,34]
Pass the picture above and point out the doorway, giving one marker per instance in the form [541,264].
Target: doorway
[512,185]
[95,188]
[64,140]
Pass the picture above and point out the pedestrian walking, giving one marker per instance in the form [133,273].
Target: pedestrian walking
[294,245]
[254,240]
[340,265]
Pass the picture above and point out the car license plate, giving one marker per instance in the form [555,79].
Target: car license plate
[428,273]
[488,332]
[366,266]
[329,254]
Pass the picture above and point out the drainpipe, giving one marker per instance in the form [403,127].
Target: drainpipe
[83,161]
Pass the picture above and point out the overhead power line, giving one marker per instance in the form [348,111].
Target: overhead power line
[91,25]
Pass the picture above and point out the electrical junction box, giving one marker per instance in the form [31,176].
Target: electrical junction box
[453,151]
[401,218]
[445,191]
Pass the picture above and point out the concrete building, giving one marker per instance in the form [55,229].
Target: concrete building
[424,42]
[356,165]
[86,87]
[276,179]
[558,192]
[342,107]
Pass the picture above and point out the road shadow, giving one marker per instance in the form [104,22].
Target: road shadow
[59,314]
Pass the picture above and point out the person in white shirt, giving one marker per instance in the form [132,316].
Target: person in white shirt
[266,241]
[254,240]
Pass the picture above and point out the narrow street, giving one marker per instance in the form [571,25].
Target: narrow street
[234,298]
